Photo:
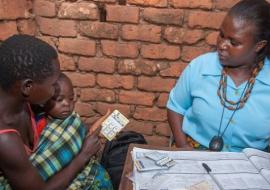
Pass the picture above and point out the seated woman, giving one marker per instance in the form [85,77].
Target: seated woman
[29,69]
[62,134]
[221,101]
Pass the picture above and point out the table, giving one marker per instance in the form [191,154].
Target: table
[125,183]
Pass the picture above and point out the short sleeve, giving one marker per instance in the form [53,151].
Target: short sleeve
[180,98]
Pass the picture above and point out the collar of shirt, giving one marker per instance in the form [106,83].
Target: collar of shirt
[214,68]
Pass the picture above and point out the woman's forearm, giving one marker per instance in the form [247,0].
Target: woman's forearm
[175,120]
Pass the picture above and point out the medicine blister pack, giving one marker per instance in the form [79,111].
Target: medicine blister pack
[160,158]
[113,124]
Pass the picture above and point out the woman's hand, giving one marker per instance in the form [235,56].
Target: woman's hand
[187,146]
[91,143]
[96,127]
[91,146]
[176,120]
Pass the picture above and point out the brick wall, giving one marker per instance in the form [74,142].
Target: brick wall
[128,59]
[16,17]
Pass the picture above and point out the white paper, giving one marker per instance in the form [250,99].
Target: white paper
[242,181]
[229,169]
[260,162]
[231,166]
[266,174]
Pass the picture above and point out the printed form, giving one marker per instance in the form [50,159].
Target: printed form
[249,169]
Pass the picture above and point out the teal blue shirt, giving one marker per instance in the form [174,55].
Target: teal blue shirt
[195,97]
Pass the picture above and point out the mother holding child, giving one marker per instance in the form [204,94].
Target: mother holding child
[220,102]
[63,156]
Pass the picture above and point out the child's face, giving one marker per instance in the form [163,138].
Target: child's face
[63,104]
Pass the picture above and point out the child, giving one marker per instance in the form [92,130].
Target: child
[29,69]
[60,106]
[60,118]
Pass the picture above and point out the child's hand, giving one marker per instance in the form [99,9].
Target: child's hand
[96,127]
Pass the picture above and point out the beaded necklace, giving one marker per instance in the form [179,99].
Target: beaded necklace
[223,86]
[217,143]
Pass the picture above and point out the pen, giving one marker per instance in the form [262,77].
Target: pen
[209,171]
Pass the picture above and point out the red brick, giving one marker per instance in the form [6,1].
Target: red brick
[14,9]
[49,39]
[148,33]
[174,70]
[162,65]
[27,27]
[142,127]
[163,129]
[84,109]
[97,64]
[155,84]
[152,3]
[78,11]
[137,67]
[82,79]
[93,94]
[225,5]
[202,4]
[136,97]
[157,140]
[179,35]
[77,46]
[160,51]
[162,100]
[99,30]
[115,81]
[77,91]
[164,16]
[56,27]
[211,39]
[118,13]
[150,114]
[203,19]
[191,52]
[44,8]
[103,107]
[107,1]
[7,29]
[66,63]
[117,49]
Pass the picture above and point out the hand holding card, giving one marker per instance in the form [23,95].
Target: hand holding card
[113,124]
[110,124]
[96,127]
